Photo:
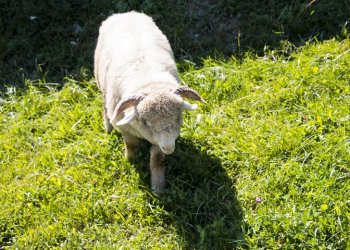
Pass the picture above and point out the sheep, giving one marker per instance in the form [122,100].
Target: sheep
[136,72]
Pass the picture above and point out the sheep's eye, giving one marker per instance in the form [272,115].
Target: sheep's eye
[144,122]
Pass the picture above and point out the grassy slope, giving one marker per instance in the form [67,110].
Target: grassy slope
[265,164]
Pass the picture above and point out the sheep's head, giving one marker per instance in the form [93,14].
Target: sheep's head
[157,117]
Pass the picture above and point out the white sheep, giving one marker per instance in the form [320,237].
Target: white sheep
[136,72]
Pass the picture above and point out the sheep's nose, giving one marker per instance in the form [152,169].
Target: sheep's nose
[167,149]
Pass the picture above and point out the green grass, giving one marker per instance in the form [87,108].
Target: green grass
[264,165]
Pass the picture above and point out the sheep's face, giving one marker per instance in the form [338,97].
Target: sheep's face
[158,119]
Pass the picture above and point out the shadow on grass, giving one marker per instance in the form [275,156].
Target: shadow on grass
[52,39]
[201,198]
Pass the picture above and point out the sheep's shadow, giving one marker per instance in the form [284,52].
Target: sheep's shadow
[200,199]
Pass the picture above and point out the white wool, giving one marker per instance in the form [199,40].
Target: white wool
[131,55]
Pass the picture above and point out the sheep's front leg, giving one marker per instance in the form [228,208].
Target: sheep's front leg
[157,170]
[131,145]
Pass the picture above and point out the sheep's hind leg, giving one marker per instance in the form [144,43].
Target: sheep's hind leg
[131,145]
[157,170]
[106,122]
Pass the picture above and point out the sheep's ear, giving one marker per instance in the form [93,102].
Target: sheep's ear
[128,105]
[188,106]
[128,102]
[129,116]
[186,92]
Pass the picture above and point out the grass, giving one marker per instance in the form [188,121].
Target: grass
[54,39]
[264,165]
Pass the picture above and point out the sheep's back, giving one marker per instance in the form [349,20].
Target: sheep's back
[130,45]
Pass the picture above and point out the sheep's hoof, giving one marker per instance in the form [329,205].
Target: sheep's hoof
[158,191]
[159,187]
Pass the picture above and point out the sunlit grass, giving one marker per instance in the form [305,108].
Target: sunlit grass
[265,164]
